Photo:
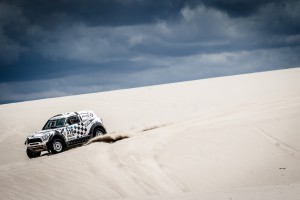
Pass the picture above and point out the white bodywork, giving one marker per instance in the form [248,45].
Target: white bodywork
[37,141]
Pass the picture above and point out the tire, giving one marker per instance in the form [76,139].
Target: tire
[32,154]
[98,131]
[56,146]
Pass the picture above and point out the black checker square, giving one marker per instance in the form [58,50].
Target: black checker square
[80,129]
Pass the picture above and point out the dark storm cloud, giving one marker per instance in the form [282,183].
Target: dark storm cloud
[55,48]
[39,69]
[237,8]
[98,12]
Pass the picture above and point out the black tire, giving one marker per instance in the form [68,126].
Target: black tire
[56,146]
[98,131]
[32,154]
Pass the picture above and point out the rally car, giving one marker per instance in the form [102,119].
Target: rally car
[63,131]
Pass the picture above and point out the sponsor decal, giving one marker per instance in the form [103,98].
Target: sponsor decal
[70,134]
[84,117]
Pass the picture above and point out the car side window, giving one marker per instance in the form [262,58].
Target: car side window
[73,120]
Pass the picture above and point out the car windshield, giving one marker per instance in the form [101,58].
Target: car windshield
[55,123]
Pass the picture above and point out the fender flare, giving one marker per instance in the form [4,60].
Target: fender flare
[57,135]
[97,124]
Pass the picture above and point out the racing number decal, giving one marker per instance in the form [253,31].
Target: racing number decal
[70,133]
[76,131]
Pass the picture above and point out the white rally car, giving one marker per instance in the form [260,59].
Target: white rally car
[63,131]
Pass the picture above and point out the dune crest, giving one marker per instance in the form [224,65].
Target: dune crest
[233,137]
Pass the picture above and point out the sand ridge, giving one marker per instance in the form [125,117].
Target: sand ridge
[223,138]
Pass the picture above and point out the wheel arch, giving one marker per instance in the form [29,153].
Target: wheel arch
[59,136]
[97,125]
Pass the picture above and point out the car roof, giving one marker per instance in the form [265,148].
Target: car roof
[68,114]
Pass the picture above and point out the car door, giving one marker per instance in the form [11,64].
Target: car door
[76,127]
[72,127]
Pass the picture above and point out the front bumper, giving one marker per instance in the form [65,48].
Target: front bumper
[37,146]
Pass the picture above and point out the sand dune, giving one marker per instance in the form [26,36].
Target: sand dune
[232,137]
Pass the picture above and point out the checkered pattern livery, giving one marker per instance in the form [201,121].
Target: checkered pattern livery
[80,129]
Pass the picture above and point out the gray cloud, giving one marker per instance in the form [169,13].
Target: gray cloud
[74,47]
[172,69]
[10,48]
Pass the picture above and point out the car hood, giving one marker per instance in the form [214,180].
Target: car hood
[43,132]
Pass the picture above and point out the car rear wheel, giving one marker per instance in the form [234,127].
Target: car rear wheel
[98,132]
[56,146]
[32,154]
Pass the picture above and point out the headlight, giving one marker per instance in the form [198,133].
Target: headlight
[45,137]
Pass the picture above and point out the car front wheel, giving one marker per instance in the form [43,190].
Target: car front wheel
[32,154]
[56,146]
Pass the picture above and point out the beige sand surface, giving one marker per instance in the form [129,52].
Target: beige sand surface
[232,137]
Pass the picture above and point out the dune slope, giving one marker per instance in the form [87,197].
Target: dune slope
[221,138]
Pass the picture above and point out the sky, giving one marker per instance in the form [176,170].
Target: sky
[66,47]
